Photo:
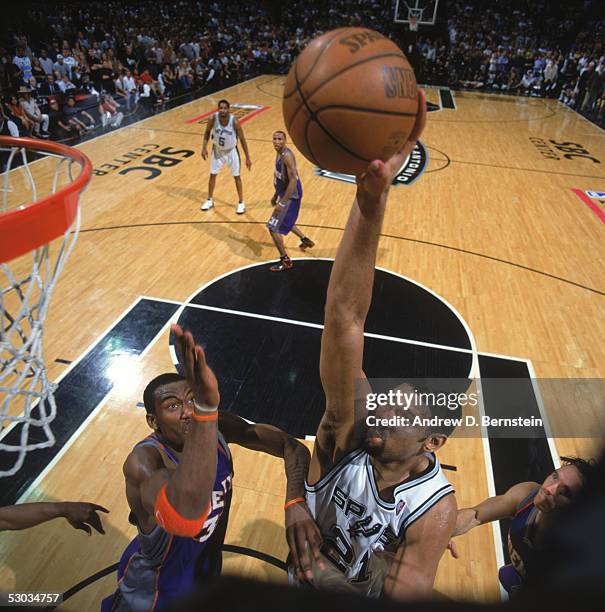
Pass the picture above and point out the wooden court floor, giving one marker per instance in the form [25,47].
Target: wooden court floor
[492,226]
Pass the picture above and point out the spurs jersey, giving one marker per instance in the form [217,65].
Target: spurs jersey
[357,524]
[224,136]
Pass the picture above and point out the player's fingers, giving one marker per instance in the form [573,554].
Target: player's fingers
[83,527]
[95,521]
[200,355]
[453,549]
[315,541]
[189,353]
[178,341]
[294,552]
[399,158]
[305,560]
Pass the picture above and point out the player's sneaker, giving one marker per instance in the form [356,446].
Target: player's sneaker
[284,263]
[207,205]
[241,208]
[306,243]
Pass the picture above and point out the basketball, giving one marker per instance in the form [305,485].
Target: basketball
[350,97]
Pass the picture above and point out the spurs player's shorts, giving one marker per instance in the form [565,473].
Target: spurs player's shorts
[218,159]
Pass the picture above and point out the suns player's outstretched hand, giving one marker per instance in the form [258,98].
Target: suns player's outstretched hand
[200,377]
[83,515]
[304,540]
[377,179]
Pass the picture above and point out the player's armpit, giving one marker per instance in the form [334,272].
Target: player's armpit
[412,573]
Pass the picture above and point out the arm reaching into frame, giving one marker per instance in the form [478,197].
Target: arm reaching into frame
[80,515]
[348,301]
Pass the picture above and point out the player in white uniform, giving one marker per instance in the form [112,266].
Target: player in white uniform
[383,510]
[225,130]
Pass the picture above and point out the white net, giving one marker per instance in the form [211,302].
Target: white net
[27,404]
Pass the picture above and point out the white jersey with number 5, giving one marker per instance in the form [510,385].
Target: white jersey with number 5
[224,136]
[357,524]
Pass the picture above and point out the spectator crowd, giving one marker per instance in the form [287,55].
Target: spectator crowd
[70,69]
[529,47]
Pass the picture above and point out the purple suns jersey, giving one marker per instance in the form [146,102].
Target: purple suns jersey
[521,536]
[281,178]
[158,567]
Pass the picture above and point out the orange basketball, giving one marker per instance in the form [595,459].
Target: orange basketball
[350,97]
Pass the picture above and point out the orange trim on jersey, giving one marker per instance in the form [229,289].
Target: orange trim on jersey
[157,574]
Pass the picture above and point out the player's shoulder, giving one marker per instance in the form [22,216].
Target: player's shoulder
[141,462]
[439,518]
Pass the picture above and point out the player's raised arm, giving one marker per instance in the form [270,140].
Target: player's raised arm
[350,292]
[180,500]
[209,126]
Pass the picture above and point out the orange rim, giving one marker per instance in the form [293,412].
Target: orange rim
[28,228]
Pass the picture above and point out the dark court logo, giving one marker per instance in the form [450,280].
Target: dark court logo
[553,149]
[151,160]
[411,170]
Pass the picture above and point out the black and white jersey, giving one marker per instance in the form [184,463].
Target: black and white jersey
[224,136]
[356,523]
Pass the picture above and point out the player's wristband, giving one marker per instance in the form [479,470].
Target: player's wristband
[206,409]
[203,418]
[172,521]
[208,413]
[296,500]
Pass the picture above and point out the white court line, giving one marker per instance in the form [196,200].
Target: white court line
[96,410]
[453,100]
[469,333]
[491,486]
[254,315]
[539,401]
[83,354]
[547,430]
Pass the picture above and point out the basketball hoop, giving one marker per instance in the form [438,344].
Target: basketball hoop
[40,202]
[413,23]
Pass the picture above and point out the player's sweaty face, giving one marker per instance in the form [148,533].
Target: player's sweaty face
[174,407]
[223,110]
